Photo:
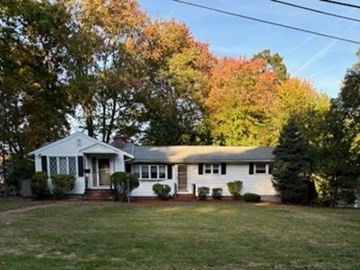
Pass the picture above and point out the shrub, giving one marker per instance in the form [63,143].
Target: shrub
[22,169]
[217,193]
[121,180]
[235,188]
[62,183]
[203,193]
[251,197]
[162,191]
[346,198]
[39,186]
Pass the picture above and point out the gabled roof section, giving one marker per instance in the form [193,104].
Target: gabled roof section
[46,146]
[100,148]
[202,154]
[96,145]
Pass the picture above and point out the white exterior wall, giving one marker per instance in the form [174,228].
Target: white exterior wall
[254,183]
[68,148]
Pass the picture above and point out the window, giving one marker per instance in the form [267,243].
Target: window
[215,168]
[162,171]
[153,172]
[259,168]
[136,171]
[211,168]
[150,172]
[72,165]
[144,172]
[62,165]
[53,165]
[207,168]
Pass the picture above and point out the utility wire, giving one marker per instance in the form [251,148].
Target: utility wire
[316,10]
[340,3]
[268,22]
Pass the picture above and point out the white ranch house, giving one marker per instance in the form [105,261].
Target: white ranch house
[183,168]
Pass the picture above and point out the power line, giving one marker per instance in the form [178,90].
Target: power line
[340,3]
[316,10]
[268,22]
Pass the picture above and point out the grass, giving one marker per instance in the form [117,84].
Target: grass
[93,235]
[11,203]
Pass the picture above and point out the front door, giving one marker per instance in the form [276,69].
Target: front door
[104,172]
[182,178]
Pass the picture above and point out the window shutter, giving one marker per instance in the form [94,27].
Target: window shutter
[251,168]
[223,168]
[201,168]
[128,168]
[169,171]
[80,166]
[44,163]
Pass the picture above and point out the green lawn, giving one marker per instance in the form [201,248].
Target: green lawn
[199,235]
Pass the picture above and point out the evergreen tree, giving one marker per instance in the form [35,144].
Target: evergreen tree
[291,171]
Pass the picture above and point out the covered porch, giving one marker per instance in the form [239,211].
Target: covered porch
[100,161]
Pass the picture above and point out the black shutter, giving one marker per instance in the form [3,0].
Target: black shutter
[128,168]
[223,168]
[81,166]
[201,168]
[169,171]
[44,163]
[251,168]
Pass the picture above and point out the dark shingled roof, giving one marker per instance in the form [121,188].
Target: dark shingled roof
[196,154]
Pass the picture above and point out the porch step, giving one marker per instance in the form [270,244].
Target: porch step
[98,195]
[185,197]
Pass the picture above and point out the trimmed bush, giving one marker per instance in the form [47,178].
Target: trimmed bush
[61,184]
[217,193]
[251,197]
[203,193]
[39,186]
[235,188]
[162,191]
[120,181]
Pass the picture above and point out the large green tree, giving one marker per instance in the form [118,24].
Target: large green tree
[103,67]
[33,35]
[173,85]
[339,159]
[291,168]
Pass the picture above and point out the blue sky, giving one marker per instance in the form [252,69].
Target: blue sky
[321,60]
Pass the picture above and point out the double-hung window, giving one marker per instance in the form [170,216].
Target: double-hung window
[211,168]
[259,168]
[214,168]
